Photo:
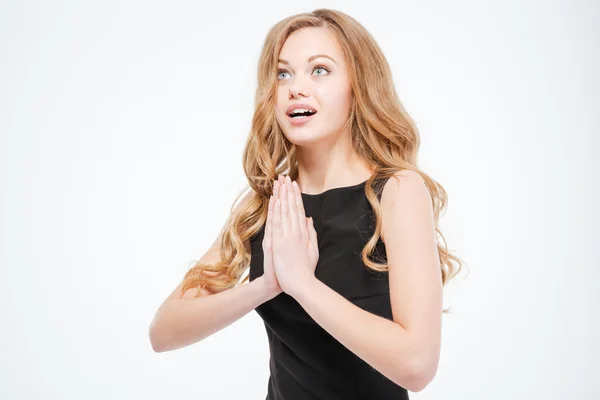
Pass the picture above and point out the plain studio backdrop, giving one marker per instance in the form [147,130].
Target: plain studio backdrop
[122,130]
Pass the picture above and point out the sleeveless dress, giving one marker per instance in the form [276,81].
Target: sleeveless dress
[306,362]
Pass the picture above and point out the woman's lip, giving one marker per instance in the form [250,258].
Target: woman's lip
[299,105]
[300,121]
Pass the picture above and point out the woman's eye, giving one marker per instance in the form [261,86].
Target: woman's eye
[321,67]
[281,71]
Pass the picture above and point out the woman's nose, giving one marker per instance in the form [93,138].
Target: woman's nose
[298,88]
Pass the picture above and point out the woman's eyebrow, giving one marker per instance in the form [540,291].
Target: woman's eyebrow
[310,58]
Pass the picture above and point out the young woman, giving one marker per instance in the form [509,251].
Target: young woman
[338,232]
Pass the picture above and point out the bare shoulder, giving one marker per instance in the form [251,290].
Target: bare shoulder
[403,183]
[404,191]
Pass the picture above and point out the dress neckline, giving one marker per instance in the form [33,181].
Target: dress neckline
[333,190]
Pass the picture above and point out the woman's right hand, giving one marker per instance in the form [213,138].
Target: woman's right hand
[270,279]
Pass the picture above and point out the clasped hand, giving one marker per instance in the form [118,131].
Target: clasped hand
[290,244]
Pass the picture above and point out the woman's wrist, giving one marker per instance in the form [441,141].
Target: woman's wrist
[269,291]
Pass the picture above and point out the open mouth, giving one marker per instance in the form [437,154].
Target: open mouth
[301,115]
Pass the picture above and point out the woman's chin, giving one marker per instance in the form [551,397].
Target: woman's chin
[301,136]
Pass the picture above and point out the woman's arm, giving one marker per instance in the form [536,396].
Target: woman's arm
[187,320]
[407,349]
[183,320]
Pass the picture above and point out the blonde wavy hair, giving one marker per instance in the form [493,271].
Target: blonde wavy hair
[383,135]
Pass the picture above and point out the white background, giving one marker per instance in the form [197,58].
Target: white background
[122,129]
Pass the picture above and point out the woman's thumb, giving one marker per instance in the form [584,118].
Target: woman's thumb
[312,232]
[309,224]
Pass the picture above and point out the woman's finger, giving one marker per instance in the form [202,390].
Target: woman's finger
[268,238]
[275,197]
[275,190]
[292,208]
[284,209]
[300,210]
[277,231]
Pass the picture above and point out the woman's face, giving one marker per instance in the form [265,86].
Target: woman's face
[312,71]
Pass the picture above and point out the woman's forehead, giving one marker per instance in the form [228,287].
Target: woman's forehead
[306,43]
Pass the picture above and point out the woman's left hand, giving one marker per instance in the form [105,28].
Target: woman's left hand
[295,247]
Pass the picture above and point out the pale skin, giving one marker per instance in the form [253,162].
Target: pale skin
[406,349]
[288,232]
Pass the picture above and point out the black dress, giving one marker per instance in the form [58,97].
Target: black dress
[306,362]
